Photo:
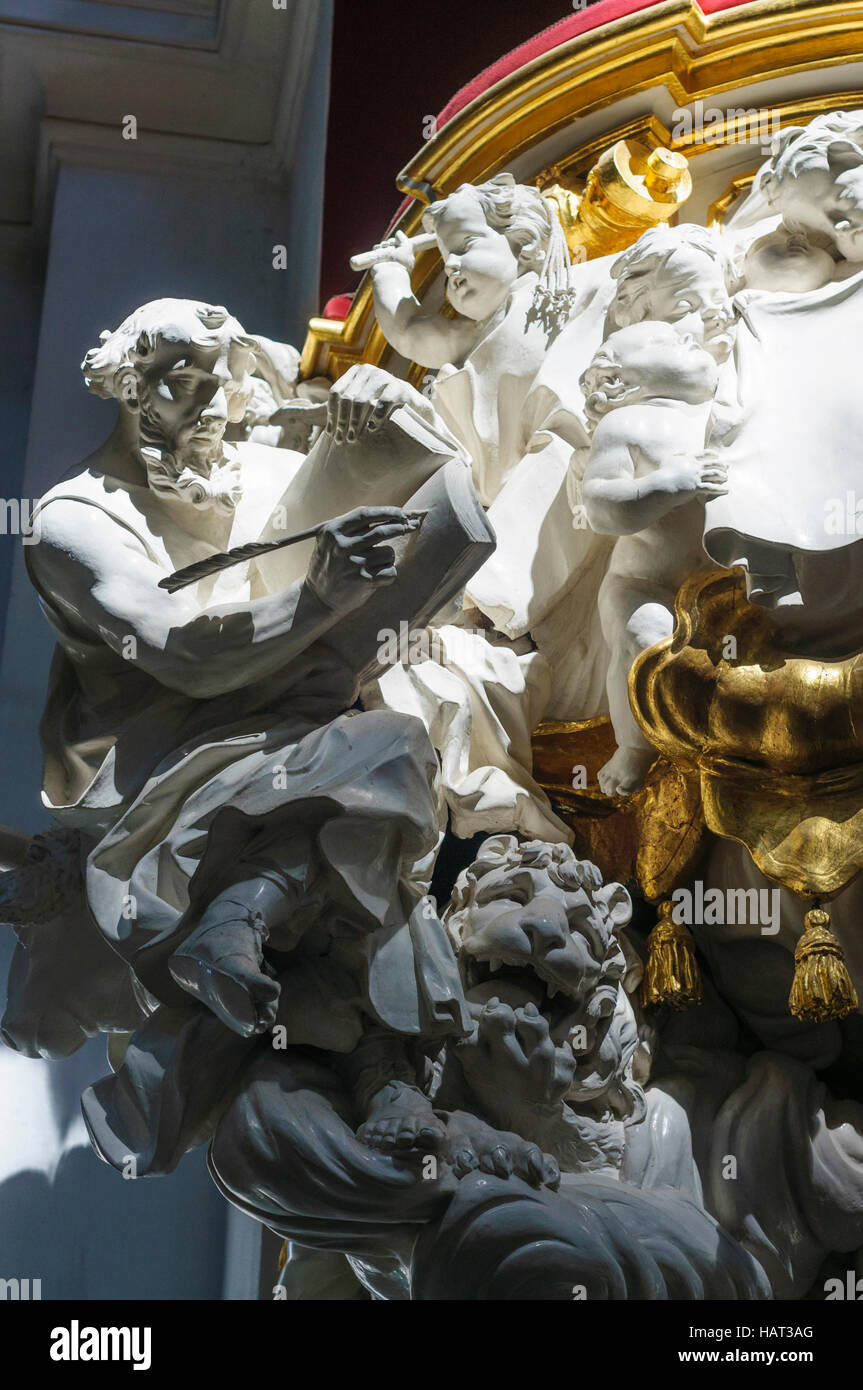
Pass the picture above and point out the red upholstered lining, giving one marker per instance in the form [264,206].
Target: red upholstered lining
[338,307]
[570,28]
[580,23]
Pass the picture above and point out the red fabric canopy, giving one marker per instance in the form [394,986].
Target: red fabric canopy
[569,28]
[579,23]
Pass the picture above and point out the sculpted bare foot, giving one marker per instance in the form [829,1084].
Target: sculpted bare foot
[472,1144]
[223,966]
[624,773]
[401,1120]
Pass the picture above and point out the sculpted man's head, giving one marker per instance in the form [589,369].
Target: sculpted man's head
[182,369]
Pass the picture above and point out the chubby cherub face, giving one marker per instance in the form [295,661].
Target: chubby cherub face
[688,288]
[652,361]
[827,203]
[787,261]
[479,262]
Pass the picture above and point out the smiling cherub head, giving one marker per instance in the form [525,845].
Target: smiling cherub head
[682,275]
[815,180]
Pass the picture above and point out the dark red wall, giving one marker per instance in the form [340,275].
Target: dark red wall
[395,62]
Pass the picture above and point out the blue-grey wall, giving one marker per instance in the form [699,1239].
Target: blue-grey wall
[21,268]
[118,237]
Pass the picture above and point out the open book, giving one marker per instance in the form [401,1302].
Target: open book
[382,468]
[433,564]
[404,463]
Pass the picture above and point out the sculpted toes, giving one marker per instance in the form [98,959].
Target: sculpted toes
[532,1166]
[464,1161]
[430,1138]
[368,1134]
[498,1161]
[551,1172]
[405,1137]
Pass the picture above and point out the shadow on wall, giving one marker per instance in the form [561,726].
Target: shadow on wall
[68,1219]
[178,1230]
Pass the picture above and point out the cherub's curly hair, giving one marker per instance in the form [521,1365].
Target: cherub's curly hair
[528,221]
[637,268]
[830,142]
[601,386]
[600,382]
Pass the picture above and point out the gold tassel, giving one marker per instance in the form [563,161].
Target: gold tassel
[283,1256]
[822,987]
[672,976]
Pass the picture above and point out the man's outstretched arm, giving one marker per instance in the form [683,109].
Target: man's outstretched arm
[100,577]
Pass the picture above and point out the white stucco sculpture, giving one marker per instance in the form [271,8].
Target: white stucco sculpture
[538,938]
[281,409]
[650,392]
[203,740]
[787,519]
[510,398]
[428,1073]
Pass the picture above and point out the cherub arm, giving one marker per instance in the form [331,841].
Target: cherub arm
[618,503]
[429,339]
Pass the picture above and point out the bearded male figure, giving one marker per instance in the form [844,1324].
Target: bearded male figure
[204,746]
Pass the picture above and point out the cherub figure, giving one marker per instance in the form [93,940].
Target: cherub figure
[508,277]
[688,276]
[281,410]
[649,394]
[489,236]
[551,1055]
[801,231]
[814,182]
[801,225]
[683,275]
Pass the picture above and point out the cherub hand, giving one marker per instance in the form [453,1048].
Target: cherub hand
[396,250]
[713,475]
[705,476]
[365,397]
